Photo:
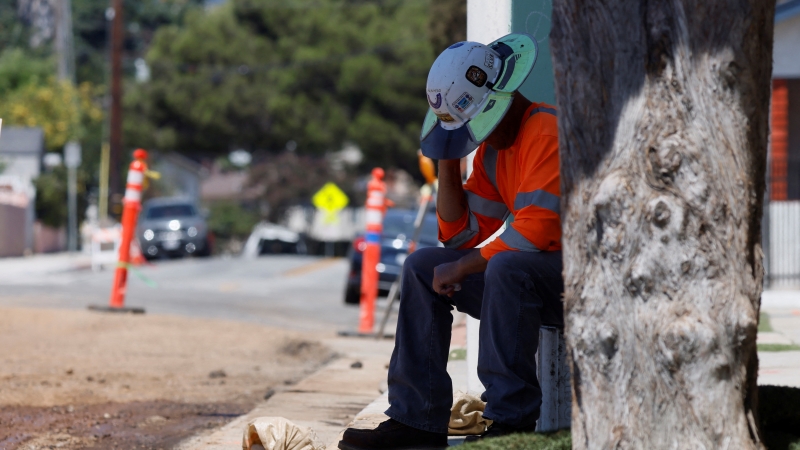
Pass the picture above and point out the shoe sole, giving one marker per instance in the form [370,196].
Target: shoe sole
[345,446]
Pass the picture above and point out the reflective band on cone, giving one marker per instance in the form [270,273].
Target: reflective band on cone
[135,177]
[375,208]
[133,195]
[373,217]
[130,213]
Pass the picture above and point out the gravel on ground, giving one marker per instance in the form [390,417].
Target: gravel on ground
[75,379]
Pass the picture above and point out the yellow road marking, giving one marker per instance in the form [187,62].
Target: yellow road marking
[228,287]
[317,265]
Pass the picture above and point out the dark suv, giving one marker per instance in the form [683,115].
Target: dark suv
[172,227]
[398,228]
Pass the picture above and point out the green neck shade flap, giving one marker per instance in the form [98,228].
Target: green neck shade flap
[482,125]
[519,64]
[427,125]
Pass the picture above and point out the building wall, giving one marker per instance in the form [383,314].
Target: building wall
[25,166]
[534,18]
[784,167]
[786,55]
[779,133]
[13,221]
[793,138]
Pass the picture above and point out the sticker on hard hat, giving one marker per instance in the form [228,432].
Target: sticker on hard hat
[445,117]
[488,61]
[463,102]
[437,103]
[456,45]
[489,105]
[476,76]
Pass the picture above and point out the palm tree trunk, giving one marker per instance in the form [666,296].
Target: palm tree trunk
[663,125]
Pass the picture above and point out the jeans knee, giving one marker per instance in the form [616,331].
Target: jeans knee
[502,266]
[421,261]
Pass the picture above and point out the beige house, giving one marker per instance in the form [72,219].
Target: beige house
[21,152]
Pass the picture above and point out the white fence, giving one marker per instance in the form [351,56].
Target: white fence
[783,244]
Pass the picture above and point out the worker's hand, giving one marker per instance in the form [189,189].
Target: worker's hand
[447,278]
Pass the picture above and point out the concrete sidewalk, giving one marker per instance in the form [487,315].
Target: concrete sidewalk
[338,395]
[335,397]
[327,401]
[25,269]
[780,367]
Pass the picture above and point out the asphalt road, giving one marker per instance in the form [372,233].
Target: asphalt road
[295,292]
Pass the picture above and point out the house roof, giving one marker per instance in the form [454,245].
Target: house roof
[21,141]
[786,10]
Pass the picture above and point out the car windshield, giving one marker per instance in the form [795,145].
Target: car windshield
[170,211]
[397,222]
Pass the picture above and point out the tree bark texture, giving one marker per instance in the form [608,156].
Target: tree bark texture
[663,122]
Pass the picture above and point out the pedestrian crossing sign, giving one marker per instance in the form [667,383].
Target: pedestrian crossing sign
[330,199]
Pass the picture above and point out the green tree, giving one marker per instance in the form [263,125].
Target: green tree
[287,178]
[19,68]
[257,74]
[51,197]
[58,107]
[13,32]
[142,18]
[447,23]
[229,220]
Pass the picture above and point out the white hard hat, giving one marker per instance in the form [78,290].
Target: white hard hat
[470,87]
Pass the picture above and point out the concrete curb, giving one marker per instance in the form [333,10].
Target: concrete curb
[326,401]
[338,396]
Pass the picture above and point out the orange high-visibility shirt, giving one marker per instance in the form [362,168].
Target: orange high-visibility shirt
[522,180]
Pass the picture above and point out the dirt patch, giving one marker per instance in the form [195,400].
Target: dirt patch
[151,425]
[78,379]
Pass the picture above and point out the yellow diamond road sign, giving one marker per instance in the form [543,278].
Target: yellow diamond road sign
[330,198]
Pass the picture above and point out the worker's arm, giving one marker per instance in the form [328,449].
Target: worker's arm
[469,213]
[446,276]
[452,203]
[537,204]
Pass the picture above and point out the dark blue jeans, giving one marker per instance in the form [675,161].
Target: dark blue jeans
[518,293]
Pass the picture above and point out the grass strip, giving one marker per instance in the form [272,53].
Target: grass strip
[457,354]
[560,440]
[777,347]
[763,322]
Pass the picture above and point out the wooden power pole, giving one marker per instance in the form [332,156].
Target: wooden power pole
[115,128]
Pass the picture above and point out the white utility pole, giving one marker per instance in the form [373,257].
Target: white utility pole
[65,48]
[487,20]
[72,159]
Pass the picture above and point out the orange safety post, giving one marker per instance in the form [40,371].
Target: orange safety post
[132,204]
[376,207]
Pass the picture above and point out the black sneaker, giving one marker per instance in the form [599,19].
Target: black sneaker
[392,435]
[497,430]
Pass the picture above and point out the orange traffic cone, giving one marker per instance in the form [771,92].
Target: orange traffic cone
[132,204]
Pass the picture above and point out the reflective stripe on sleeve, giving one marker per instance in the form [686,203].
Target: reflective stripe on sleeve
[490,164]
[540,198]
[485,207]
[515,240]
[544,109]
[464,236]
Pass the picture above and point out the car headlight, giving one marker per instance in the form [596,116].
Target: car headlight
[149,235]
[192,231]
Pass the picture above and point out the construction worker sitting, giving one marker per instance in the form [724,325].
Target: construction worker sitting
[513,284]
